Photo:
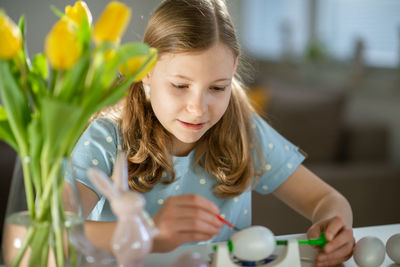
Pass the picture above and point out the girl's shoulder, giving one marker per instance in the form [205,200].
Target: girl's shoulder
[103,123]
[105,128]
[269,138]
[97,147]
[279,157]
[261,127]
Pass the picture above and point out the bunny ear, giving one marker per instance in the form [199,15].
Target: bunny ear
[103,183]
[120,173]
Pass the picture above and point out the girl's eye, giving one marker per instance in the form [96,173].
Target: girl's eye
[217,88]
[180,86]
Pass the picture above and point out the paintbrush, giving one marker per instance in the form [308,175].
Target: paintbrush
[228,223]
[321,241]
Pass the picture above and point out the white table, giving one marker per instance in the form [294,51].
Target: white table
[383,232]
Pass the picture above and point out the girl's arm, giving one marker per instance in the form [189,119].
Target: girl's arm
[313,198]
[183,218]
[98,233]
[328,210]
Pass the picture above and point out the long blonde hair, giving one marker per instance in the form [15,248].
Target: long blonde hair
[224,151]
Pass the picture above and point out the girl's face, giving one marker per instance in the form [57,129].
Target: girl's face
[189,92]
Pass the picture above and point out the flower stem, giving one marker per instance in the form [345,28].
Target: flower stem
[57,225]
[21,251]
[51,179]
[54,74]
[28,185]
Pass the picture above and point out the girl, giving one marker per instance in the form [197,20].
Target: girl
[195,147]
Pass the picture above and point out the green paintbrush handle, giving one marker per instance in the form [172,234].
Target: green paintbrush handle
[321,241]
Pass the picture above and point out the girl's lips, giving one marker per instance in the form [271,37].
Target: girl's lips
[191,126]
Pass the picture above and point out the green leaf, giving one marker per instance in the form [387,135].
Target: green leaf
[129,50]
[36,142]
[15,105]
[58,118]
[3,114]
[5,130]
[84,34]
[35,136]
[6,135]
[38,87]
[73,81]
[114,94]
[102,75]
[37,80]
[25,54]
[21,24]
[40,66]
[107,70]
[56,11]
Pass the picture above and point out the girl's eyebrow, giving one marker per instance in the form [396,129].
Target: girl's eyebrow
[181,76]
[188,79]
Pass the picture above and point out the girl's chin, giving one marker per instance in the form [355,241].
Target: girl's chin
[188,140]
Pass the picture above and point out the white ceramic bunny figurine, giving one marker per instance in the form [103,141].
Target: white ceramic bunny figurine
[133,237]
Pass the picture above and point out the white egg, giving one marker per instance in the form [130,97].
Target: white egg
[369,251]
[253,243]
[393,248]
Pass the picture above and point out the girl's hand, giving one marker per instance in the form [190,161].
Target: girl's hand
[185,218]
[340,241]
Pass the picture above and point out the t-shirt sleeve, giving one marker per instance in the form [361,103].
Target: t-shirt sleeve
[279,157]
[96,148]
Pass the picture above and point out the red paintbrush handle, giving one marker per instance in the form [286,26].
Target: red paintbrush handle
[226,222]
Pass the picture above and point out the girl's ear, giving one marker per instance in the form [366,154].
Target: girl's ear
[146,79]
[235,66]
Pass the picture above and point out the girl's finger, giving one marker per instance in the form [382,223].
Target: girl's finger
[339,255]
[334,226]
[190,225]
[314,231]
[345,236]
[199,214]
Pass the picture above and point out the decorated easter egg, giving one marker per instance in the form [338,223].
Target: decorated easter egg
[393,248]
[369,251]
[253,244]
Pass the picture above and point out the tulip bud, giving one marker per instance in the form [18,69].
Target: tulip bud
[112,23]
[10,37]
[78,13]
[132,65]
[63,47]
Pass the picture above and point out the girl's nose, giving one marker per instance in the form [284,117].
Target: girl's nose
[197,104]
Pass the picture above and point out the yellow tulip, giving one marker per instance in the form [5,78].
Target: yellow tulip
[132,65]
[79,12]
[112,23]
[63,48]
[10,37]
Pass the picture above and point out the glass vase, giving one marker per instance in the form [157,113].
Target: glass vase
[43,236]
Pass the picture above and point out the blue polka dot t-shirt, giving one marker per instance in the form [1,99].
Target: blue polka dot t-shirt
[101,142]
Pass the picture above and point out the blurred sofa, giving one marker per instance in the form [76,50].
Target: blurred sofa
[352,156]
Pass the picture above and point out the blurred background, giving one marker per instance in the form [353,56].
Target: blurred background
[324,73]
